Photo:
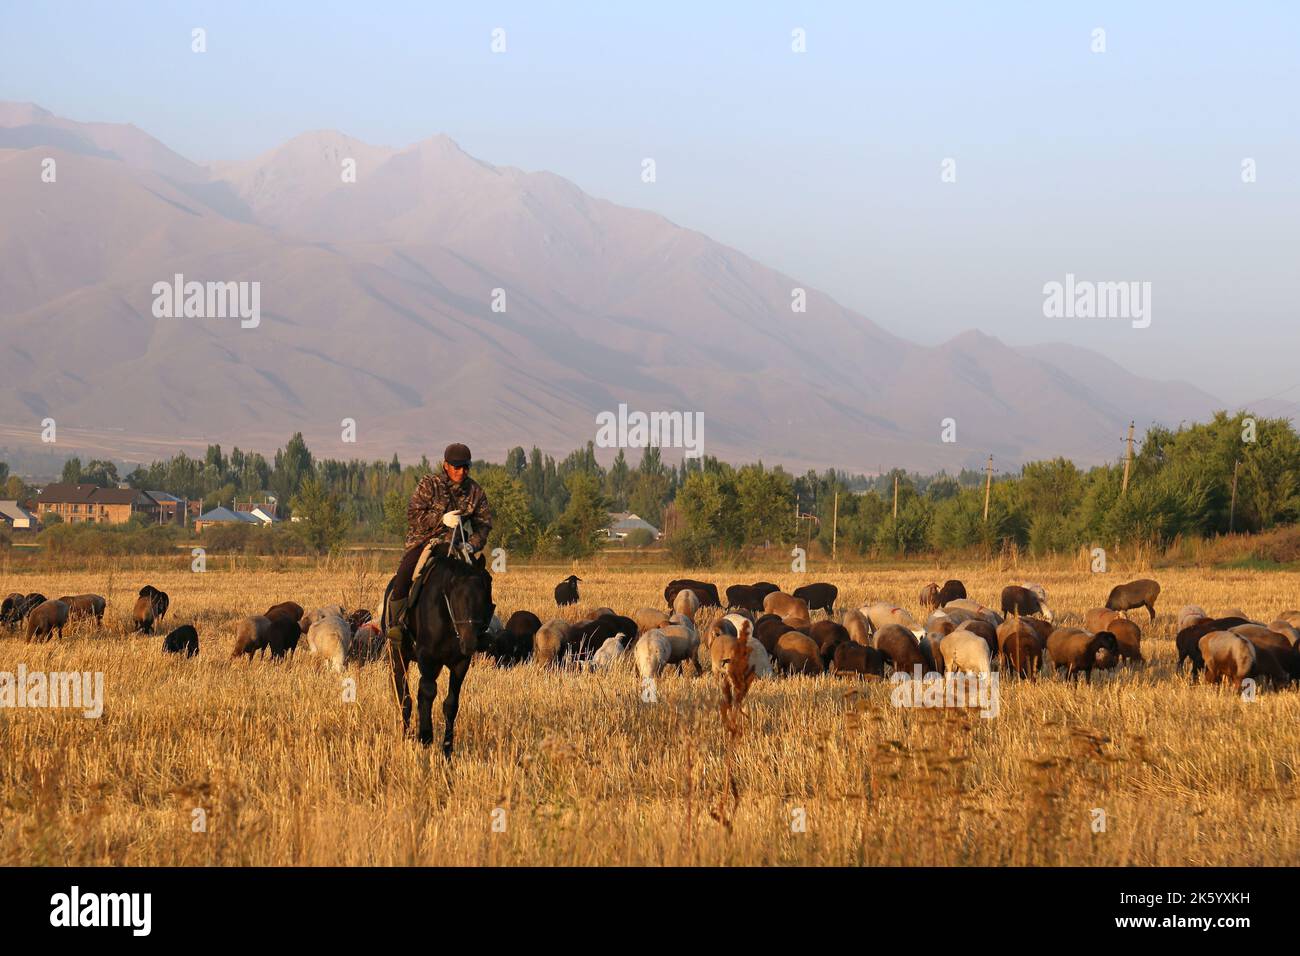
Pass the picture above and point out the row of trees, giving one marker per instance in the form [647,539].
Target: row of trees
[1181,483]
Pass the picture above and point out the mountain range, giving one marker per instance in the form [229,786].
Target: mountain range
[438,297]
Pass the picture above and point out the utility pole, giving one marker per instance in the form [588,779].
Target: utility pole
[1128,459]
[895,497]
[988,487]
[835,523]
[1232,509]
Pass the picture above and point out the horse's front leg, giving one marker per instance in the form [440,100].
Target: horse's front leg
[452,704]
[428,691]
[398,660]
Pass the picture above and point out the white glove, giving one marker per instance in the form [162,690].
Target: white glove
[451,519]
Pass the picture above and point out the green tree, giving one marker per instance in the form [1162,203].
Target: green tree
[584,517]
[323,525]
[71,471]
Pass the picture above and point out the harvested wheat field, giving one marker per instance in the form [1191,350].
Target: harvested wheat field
[567,767]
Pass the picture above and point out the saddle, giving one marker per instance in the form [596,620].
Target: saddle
[457,548]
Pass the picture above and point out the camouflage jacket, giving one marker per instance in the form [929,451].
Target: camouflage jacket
[434,497]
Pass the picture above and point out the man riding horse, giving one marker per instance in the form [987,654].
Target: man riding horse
[443,500]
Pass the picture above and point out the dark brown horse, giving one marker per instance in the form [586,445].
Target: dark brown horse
[450,615]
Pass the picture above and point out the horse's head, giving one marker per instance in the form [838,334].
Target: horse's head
[469,600]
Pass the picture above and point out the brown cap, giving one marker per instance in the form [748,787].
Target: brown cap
[457,454]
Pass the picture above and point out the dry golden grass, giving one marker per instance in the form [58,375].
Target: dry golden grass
[287,772]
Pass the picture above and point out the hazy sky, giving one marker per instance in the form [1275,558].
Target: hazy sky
[1122,165]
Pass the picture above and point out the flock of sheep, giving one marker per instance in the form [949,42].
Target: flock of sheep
[777,630]
[331,632]
[958,635]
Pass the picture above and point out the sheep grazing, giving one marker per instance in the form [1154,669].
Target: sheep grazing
[368,642]
[1279,660]
[586,637]
[648,618]
[749,596]
[685,602]
[931,649]
[929,598]
[611,652]
[282,637]
[182,640]
[818,597]
[1100,618]
[251,635]
[1076,651]
[963,651]
[684,641]
[46,619]
[652,651]
[1286,630]
[549,641]
[1228,657]
[881,615]
[723,648]
[514,642]
[952,590]
[1291,617]
[976,608]
[286,609]
[1135,594]
[602,611]
[1189,614]
[767,629]
[707,593]
[854,658]
[144,614]
[1188,640]
[1023,601]
[827,635]
[900,648]
[797,654]
[84,606]
[19,606]
[328,634]
[787,607]
[1020,647]
[859,628]
[158,599]
[566,592]
[9,616]
[986,632]
[1129,637]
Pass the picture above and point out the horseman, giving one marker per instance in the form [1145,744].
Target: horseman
[448,508]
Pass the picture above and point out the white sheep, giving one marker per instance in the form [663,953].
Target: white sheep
[609,654]
[653,648]
[965,651]
[328,634]
[686,603]
[882,614]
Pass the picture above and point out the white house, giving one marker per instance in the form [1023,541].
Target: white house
[15,515]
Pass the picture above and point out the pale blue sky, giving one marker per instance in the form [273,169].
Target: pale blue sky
[1122,165]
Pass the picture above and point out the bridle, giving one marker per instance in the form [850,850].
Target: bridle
[455,623]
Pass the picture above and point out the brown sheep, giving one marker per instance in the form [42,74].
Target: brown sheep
[251,635]
[859,628]
[900,648]
[1020,647]
[930,596]
[1021,600]
[853,658]
[1134,594]
[549,641]
[1188,640]
[952,590]
[1078,652]
[1099,618]
[797,654]
[46,619]
[1129,637]
[1228,657]
[85,605]
[648,618]
[1281,652]
[1041,627]
[826,635]
[786,606]
[142,615]
[985,630]
[287,609]
[1286,630]
[767,629]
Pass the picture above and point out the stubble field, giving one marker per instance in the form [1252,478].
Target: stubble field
[563,767]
